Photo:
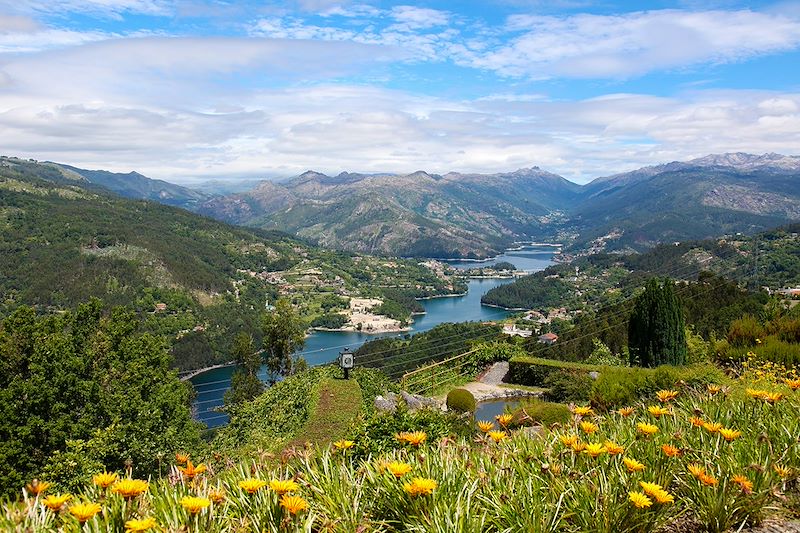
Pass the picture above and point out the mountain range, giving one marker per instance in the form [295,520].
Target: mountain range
[458,215]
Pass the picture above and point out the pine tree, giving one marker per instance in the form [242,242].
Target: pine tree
[656,329]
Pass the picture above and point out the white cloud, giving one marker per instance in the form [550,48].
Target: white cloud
[105,8]
[601,46]
[414,18]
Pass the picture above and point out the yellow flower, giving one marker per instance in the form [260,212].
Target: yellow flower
[194,504]
[756,393]
[568,440]
[142,524]
[712,427]
[626,411]
[657,410]
[485,426]
[498,436]
[415,438]
[84,512]
[398,469]
[613,448]
[588,427]
[181,458]
[647,429]
[504,419]
[582,411]
[251,485]
[37,487]
[216,495]
[663,497]
[696,470]
[772,397]
[794,384]
[670,451]
[420,486]
[745,484]
[344,444]
[665,396]
[632,464]
[105,479]
[782,471]
[713,389]
[578,446]
[190,470]
[282,486]
[129,488]
[293,504]
[730,434]
[696,422]
[594,450]
[55,502]
[650,488]
[639,500]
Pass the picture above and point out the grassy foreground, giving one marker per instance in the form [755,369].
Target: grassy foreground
[713,458]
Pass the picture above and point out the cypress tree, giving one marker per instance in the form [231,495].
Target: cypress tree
[656,329]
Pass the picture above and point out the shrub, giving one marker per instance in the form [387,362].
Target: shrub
[533,371]
[568,386]
[745,331]
[461,401]
[771,349]
[542,413]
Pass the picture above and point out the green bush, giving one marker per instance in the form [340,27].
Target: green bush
[771,349]
[538,412]
[625,386]
[533,371]
[745,331]
[461,401]
[566,386]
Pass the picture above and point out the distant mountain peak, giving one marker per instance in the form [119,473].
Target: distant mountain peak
[745,161]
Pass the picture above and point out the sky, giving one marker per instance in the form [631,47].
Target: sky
[213,89]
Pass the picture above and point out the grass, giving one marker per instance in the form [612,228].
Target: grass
[338,405]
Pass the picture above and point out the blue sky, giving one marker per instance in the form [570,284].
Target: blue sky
[201,89]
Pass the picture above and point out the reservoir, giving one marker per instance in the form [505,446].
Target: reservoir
[324,346]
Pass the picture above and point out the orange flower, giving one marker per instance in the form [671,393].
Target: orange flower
[190,471]
[696,470]
[670,451]
[216,495]
[578,446]
[745,484]
[485,426]
[37,487]
[772,397]
[626,411]
[707,479]
[181,458]
[293,504]
[696,422]
[794,384]
[613,448]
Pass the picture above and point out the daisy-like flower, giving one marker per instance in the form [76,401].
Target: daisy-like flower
[670,451]
[625,411]
[581,410]
[745,484]
[194,504]
[647,429]
[344,444]
[129,488]
[251,485]
[588,427]
[83,512]
[578,446]
[181,458]
[485,426]
[639,500]
[665,396]
[282,486]
[612,448]
[696,421]
[568,440]
[398,469]
[756,393]
[55,502]
[772,397]
[712,427]
[105,479]
[497,436]
[420,486]
[730,434]
[190,471]
[594,450]
[632,464]
[664,497]
[707,479]
[782,471]
[504,420]
[414,438]
[140,524]
[658,411]
[216,495]
[293,504]
[696,470]
[37,487]
[657,491]
[794,384]
[713,389]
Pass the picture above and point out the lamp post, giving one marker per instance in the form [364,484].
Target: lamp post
[346,361]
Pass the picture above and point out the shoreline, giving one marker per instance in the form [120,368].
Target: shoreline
[194,373]
[505,308]
[381,332]
[522,246]
[454,295]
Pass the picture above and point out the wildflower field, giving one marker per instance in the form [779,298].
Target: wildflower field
[712,458]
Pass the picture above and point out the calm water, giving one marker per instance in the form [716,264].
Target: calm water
[530,259]
[324,346]
[489,410]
